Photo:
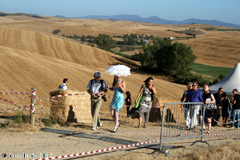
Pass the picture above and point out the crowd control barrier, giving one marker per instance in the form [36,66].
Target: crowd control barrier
[181,121]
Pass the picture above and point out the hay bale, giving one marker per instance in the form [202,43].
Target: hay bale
[71,108]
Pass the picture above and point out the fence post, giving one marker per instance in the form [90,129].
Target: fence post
[32,106]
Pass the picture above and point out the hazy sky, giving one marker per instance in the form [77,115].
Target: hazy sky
[222,10]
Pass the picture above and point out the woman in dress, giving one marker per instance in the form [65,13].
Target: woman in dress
[207,98]
[225,108]
[128,102]
[119,87]
[146,101]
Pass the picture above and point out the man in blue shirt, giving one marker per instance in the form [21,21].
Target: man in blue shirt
[194,95]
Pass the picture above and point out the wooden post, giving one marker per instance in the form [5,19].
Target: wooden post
[32,106]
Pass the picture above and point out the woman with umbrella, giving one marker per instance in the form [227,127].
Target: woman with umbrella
[119,87]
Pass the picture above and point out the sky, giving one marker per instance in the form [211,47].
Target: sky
[222,10]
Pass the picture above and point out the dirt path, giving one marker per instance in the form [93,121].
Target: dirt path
[40,142]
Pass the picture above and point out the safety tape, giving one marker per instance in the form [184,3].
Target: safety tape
[14,103]
[226,123]
[19,107]
[98,151]
[221,134]
[22,93]
[25,98]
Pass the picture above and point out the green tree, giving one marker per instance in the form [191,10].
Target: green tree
[83,38]
[163,56]
[105,42]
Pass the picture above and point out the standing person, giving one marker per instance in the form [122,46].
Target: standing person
[225,108]
[236,108]
[119,87]
[216,113]
[128,102]
[186,107]
[207,98]
[194,95]
[64,85]
[96,87]
[146,101]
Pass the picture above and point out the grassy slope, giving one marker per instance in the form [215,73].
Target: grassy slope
[213,71]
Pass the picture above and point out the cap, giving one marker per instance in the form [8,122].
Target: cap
[97,74]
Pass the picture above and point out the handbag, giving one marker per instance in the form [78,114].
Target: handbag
[210,106]
[138,101]
[139,98]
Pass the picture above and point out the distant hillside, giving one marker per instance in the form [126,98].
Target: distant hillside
[157,20]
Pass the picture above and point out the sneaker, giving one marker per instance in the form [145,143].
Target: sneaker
[231,127]
[100,124]
[95,128]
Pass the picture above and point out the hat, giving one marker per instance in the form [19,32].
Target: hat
[97,74]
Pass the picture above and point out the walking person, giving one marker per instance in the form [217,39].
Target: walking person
[194,95]
[186,107]
[119,87]
[64,85]
[207,98]
[128,102]
[148,89]
[218,99]
[96,87]
[225,108]
[236,108]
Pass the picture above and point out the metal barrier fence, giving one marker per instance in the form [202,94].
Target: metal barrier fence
[182,121]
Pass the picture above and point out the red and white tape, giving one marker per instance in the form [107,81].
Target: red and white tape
[19,107]
[221,134]
[22,93]
[25,98]
[226,123]
[98,151]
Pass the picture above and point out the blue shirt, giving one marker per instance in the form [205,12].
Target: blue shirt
[194,96]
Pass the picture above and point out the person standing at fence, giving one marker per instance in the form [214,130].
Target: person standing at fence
[216,114]
[236,108]
[207,98]
[128,102]
[225,108]
[64,85]
[194,95]
[119,87]
[186,107]
[96,87]
[148,89]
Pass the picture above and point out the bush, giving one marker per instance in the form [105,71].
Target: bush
[56,31]
[105,42]
[83,38]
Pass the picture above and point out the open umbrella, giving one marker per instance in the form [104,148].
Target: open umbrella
[119,70]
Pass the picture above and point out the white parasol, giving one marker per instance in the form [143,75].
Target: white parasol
[119,70]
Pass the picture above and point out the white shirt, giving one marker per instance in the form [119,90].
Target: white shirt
[62,86]
[96,86]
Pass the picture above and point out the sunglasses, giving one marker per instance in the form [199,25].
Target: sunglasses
[194,85]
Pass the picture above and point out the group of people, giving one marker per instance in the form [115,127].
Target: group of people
[191,112]
[97,88]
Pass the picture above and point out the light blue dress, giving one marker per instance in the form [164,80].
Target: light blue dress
[118,99]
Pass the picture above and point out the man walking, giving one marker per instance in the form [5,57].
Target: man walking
[64,85]
[194,95]
[186,107]
[96,87]
[236,108]
[218,99]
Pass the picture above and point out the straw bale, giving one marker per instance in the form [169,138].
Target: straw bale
[71,108]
